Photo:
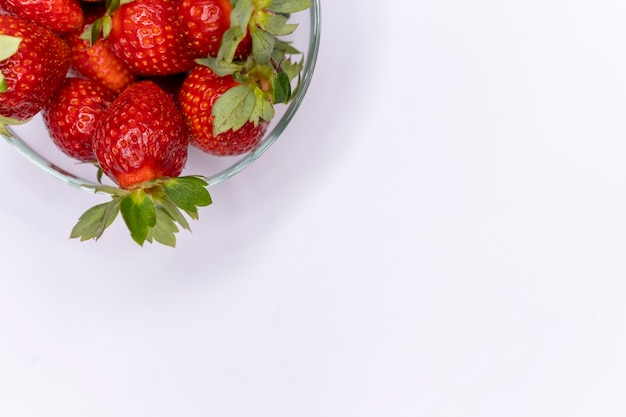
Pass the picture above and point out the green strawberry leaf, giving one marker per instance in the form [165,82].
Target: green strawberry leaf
[262,44]
[230,40]
[92,32]
[96,220]
[139,214]
[241,13]
[233,109]
[239,20]
[187,193]
[282,88]
[173,211]
[106,28]
[164,231]
[220,67]
[275,24]
[288,6]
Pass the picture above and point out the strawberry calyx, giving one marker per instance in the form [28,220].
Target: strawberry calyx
[152,211]
[265,77]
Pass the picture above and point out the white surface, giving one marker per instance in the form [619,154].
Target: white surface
[441,232]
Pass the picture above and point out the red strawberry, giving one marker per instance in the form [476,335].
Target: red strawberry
[60,16]
[96,61]
[142,137]
[203,22]
[73,113]
[145,35]
[141,144]
[197,96]
[34,72]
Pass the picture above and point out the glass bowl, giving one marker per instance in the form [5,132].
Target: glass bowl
[32,141]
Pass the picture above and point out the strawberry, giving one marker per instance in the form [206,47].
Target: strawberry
[96,61]
[141,144]
[145,35]
[197,96]
[59,16]
[204,22]
[33,64]
[142,137]
[73,113]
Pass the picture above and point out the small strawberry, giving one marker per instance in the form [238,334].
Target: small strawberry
[73,113]
[145,35]
[141,144]
[59,16]
[197,96]
[204,22]
[96,61]
[33,64]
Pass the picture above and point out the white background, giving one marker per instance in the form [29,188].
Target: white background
[441,231]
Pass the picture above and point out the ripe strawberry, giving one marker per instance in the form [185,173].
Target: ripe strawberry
[96,61]
[203,22]
[142,137]
[198,94]
[31,74]
[141,144]
[145,35]
[59,16]
[73,113]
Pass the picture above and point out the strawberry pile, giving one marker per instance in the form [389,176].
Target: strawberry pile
[130,85]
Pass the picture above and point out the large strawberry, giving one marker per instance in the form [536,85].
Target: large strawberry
[145,35]
[142,137]
[33,64]
[197,96]
[204,22]
[96,61]
[71,117]
[141,144]
[60,16]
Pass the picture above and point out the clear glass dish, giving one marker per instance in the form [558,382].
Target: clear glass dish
[32,140]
